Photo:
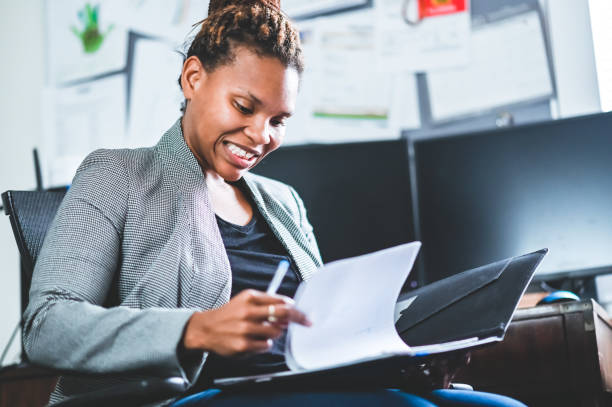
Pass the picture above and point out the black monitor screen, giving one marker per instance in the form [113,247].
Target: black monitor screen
[357,195]
[492,195]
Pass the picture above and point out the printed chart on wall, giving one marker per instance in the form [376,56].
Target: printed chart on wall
[344,97]
[508,65]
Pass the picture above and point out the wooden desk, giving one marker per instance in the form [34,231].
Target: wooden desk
[558,354]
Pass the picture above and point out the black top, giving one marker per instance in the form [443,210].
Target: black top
[254,253]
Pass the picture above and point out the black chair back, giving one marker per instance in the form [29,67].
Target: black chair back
[31,214]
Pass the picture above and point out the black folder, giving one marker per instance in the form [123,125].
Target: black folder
[474,306]
[477,303]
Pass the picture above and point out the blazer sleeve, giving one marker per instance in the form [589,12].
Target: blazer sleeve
[66,324]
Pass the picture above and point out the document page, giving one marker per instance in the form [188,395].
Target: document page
[351,304]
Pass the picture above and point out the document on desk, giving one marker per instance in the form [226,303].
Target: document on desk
[351,305]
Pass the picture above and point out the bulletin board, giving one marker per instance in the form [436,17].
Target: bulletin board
[369,75]
[511,83]
[490,68]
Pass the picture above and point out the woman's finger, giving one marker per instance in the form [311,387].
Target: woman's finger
[262,331]
[298,317]
[280,314]
[260,298]
[257,345]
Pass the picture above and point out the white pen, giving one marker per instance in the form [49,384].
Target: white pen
[279,274]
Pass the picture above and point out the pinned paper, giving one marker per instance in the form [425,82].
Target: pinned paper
[432,8]
[422,35]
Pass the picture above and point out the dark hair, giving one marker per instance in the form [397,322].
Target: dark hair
[259,25]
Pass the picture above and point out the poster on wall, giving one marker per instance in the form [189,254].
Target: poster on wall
[87,39]
[83,41]
[422,35]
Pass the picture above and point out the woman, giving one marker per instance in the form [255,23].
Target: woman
[158,257]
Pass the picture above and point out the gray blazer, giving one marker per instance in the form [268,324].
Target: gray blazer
[132,252]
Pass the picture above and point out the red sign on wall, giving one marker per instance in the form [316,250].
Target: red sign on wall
[432,8]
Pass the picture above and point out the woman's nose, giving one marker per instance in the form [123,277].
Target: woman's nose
[259,131]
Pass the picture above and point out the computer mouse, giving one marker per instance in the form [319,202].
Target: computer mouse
[559,296]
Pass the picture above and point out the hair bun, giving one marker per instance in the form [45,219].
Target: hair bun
[216,5]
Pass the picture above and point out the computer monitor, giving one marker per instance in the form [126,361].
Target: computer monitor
[357,195]
[497,194]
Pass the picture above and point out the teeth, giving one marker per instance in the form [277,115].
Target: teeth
[239,152]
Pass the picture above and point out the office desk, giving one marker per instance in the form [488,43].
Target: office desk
[558,354]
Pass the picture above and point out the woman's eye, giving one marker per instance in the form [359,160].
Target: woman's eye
[277,123]
[242,109]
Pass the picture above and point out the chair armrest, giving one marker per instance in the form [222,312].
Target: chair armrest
[25,371]
[136,393]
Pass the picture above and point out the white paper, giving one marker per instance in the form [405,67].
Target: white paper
[343,97]
[601,15]
[351,306]
[508,65]
[434,43]
[78,120]
[351,86]
[155,96]
[67,58]
[400,306]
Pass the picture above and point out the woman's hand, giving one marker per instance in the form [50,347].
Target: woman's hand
[242,325]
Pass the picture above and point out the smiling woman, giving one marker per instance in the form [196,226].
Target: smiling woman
[158,259]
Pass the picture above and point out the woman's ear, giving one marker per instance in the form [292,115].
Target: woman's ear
[192,76]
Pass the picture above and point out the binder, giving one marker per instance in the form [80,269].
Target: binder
[475,303]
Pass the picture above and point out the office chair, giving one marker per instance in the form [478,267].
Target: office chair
[31,214]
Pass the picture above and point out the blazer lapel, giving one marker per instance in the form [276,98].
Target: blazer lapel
[205,269]
[286,230]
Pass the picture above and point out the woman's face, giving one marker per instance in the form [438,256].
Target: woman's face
[236,114]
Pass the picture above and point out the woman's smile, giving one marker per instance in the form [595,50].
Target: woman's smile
[239,155]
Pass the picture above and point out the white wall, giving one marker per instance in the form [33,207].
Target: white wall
[21,82]
[569,29]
